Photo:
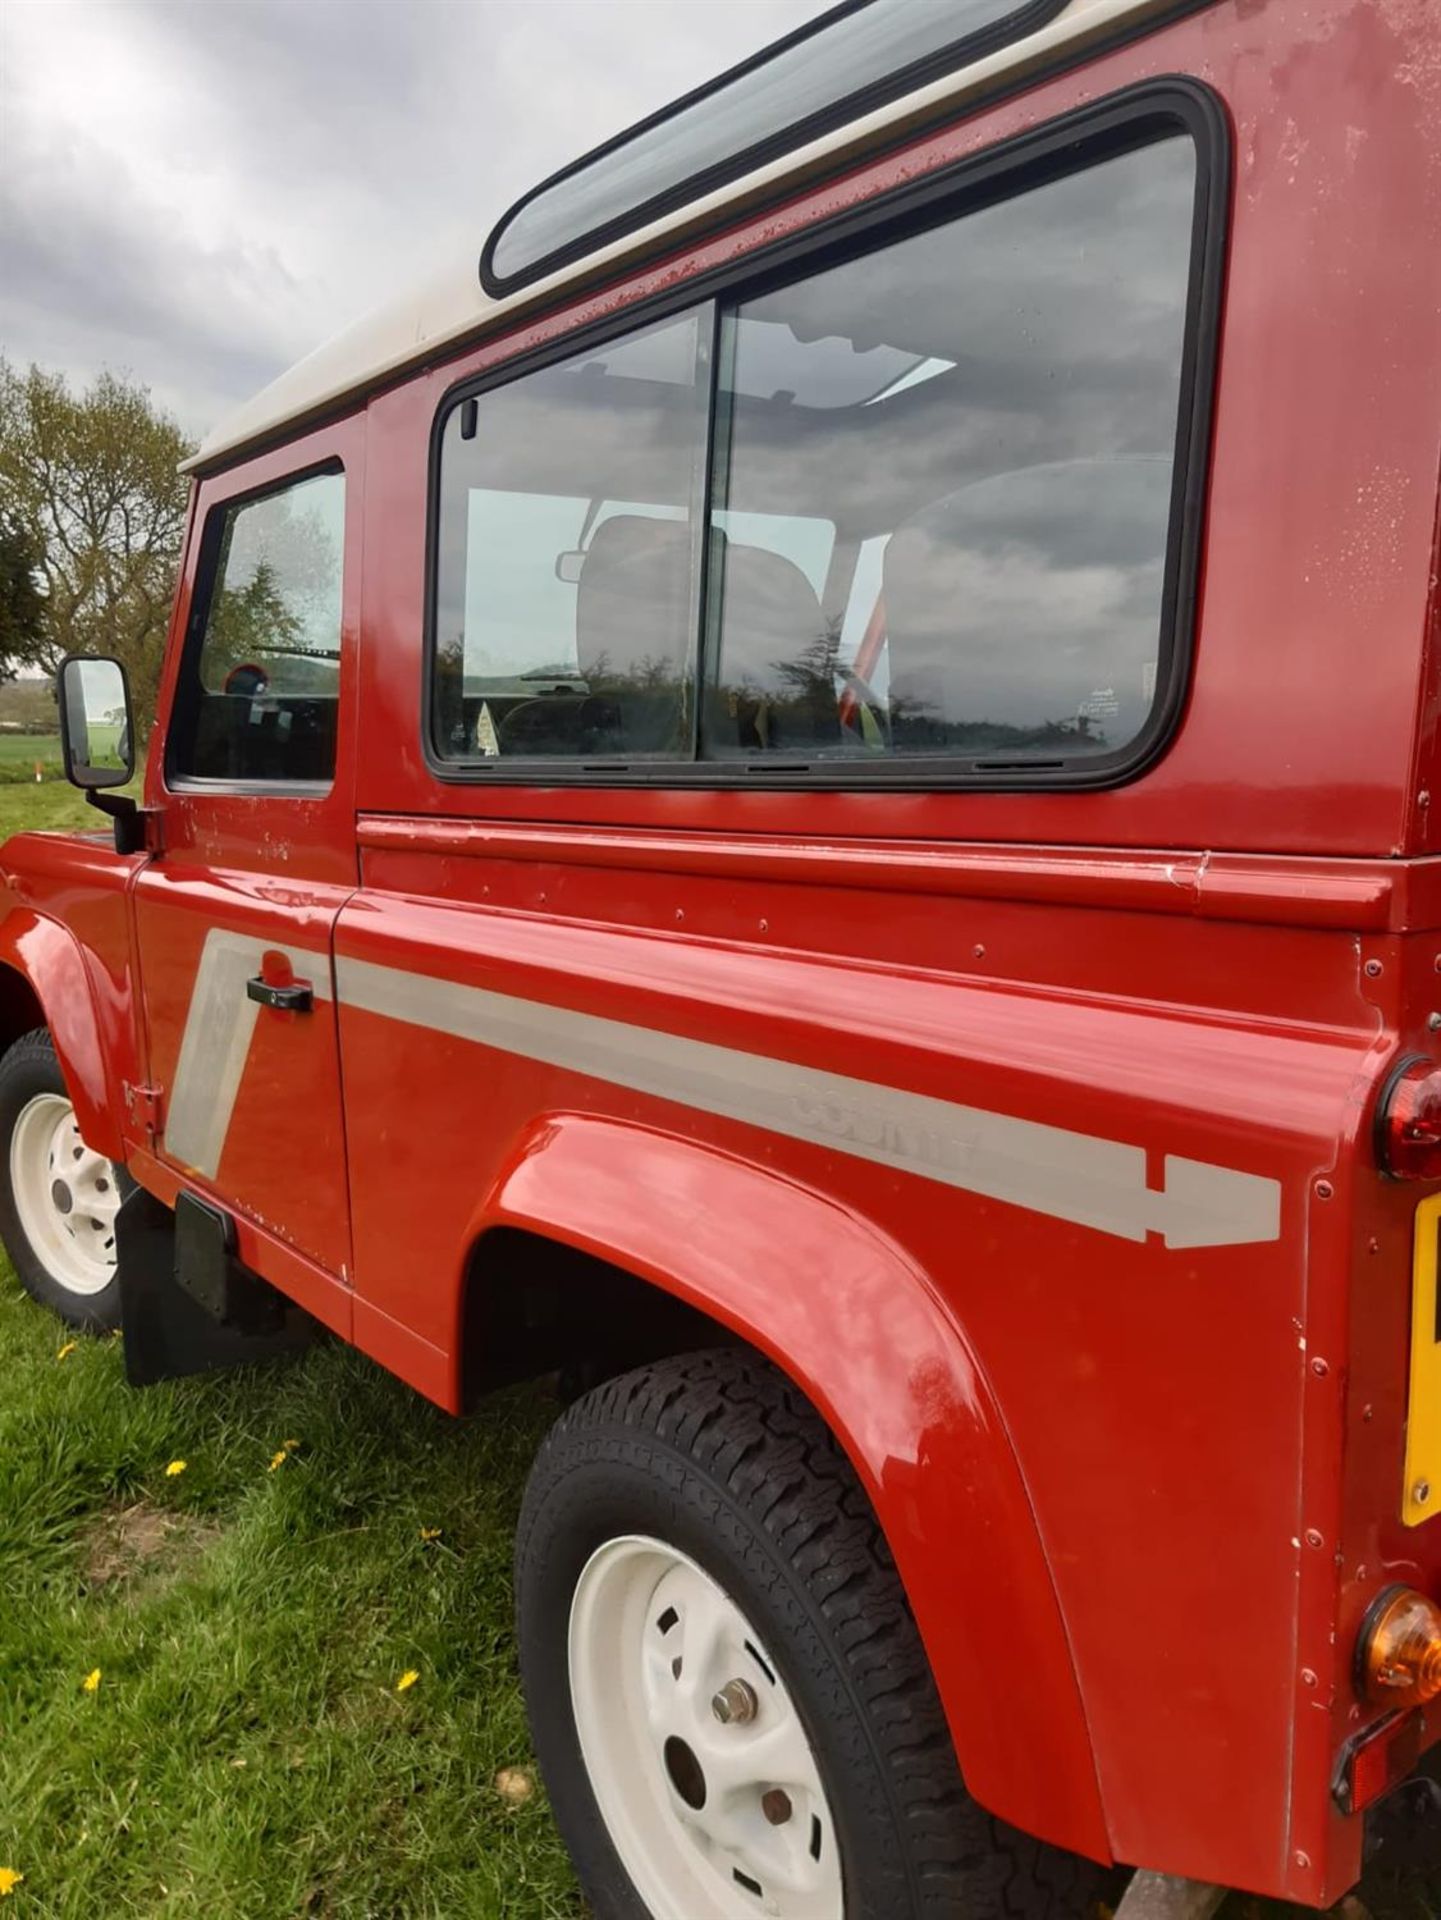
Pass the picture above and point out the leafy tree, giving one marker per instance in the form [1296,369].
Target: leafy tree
[22,607]
[91,481]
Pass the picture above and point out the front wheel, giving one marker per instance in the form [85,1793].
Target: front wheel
[728,1695]
[58,1198]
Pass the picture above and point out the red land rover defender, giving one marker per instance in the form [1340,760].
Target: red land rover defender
[811,799]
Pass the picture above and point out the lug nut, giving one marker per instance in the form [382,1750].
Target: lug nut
[776,1806]
[735,1704]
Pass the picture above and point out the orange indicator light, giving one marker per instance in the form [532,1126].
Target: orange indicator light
[1401,1650]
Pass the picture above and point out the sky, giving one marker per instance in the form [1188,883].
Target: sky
[197,192]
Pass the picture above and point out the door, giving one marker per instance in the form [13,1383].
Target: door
[234,918]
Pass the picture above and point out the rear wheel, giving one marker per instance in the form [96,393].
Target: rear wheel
[728,1695]
[58,1197]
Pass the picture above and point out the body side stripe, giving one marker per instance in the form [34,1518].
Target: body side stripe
[1078,1177]
[215,1045]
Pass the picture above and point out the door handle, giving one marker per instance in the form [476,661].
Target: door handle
[297,997]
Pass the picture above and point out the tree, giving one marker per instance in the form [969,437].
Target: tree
[22,607]
[91,482]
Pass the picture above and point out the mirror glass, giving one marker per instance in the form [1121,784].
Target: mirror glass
[95,723]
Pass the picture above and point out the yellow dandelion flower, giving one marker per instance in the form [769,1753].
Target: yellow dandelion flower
[290,1445]
[407,1680]
[430,1533]
[175,1467]
[278,1460]
[91,1682]
[66,1351]
[9,1880]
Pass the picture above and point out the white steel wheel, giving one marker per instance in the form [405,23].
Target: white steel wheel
[66,1196]
[729,1698]
[696,1754]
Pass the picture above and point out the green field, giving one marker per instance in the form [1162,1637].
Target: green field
[24,749]
[49,803]
[19,752]
[246,1753]
[54,804]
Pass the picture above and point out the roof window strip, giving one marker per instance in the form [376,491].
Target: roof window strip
[848,61]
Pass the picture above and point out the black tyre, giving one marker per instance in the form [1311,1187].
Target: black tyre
[727,1692]
[58,1199]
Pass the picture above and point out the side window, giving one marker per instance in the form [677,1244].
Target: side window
[565,609]
[987,415]
[919,513]
[259,693]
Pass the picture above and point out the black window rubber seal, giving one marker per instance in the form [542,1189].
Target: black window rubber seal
[1134,117]
[1024,19]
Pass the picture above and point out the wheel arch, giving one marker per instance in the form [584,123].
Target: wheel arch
[861,1332]
[20,1008]
[44,983]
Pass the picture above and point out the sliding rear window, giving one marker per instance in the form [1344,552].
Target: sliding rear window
[924,512]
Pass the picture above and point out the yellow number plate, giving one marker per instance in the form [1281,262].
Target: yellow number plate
[1423,1424]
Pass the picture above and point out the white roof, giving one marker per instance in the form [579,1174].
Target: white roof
[450,307]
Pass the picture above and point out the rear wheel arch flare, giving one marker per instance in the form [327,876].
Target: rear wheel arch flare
[857,1328]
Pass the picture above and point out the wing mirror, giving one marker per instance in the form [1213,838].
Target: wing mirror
[97,741]
[96,736]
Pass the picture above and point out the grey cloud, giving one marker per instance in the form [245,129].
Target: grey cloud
[303,159]
[90,288]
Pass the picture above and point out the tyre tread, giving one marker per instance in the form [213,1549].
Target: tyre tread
[747,1430]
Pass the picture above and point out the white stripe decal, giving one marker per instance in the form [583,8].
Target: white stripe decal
[216,1043]
[1070,1176]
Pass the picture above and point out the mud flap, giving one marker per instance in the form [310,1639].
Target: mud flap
[169,1263]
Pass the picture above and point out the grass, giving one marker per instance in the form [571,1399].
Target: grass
[50,804]
[21,753]
[246,1752]
[24,749]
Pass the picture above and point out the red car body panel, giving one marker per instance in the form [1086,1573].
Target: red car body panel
[1141,1488]
[65,933]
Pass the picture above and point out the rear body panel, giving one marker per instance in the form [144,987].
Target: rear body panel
[1179,1414]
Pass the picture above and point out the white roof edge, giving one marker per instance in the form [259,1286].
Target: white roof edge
[450,305]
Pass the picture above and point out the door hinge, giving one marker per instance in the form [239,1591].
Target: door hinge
[143,1106]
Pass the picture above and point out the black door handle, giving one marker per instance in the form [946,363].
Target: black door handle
[295,998]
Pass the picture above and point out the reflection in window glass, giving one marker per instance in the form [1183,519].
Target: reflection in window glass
[986,414]
[259,702]
[565,609]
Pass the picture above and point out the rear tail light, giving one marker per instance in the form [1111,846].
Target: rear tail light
[1408,1121]
[1400,1651]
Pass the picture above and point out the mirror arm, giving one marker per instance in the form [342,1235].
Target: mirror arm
[137,828]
